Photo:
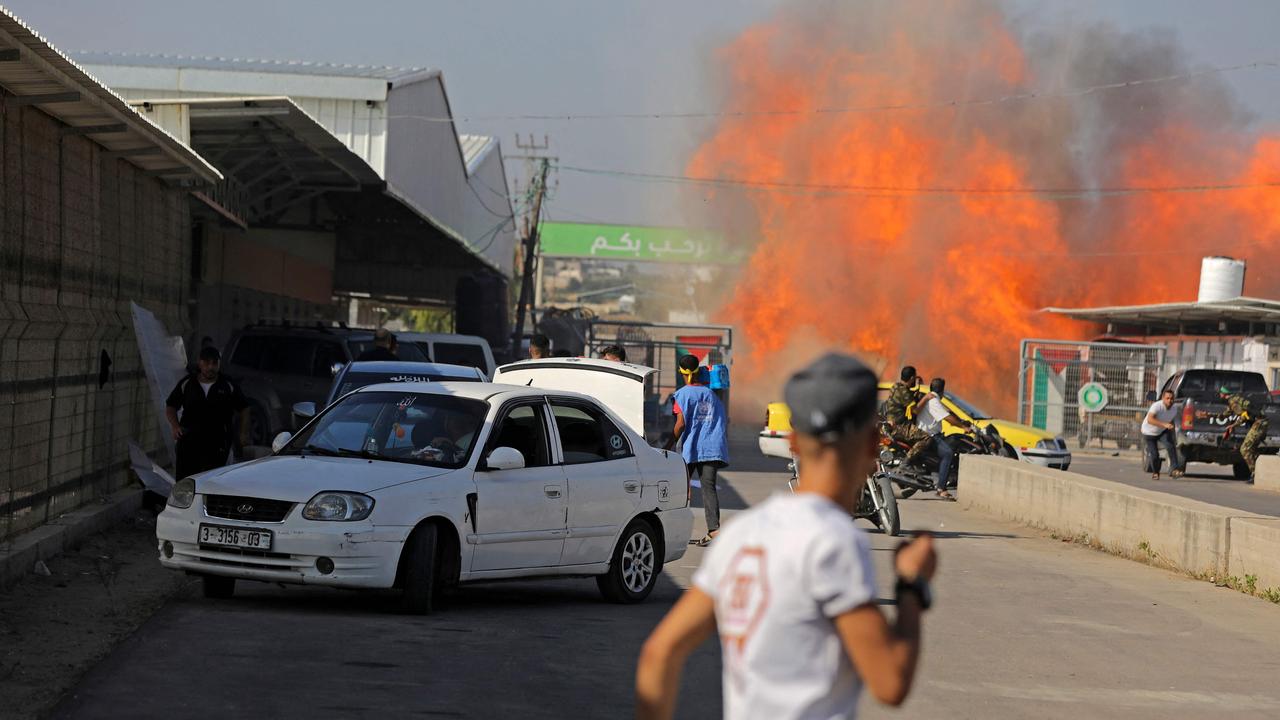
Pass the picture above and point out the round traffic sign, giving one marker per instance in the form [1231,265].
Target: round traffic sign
[1093,397]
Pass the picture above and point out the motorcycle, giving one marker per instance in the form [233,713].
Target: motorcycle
[876,503]
[922,473]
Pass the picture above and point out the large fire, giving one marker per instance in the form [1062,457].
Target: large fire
[936,262]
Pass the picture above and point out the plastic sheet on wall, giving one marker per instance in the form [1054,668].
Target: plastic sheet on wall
[164,361]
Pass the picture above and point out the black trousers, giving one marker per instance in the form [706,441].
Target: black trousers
[197,453]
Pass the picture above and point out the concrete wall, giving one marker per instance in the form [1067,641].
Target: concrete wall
[261,275]
[81,234]
[1194,537]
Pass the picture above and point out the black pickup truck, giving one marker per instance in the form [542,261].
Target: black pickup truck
[1200,437]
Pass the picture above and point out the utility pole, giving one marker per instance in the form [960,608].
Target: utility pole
[538,190]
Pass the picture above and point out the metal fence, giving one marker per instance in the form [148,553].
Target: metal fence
[1051,373]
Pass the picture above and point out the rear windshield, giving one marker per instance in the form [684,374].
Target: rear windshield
[1210,382]
[460,354]
[406,351]
[356,380]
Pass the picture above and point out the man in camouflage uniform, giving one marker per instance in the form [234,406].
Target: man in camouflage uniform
[1240,406]
[904,395]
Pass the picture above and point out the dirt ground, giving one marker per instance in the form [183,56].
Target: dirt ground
[53,629]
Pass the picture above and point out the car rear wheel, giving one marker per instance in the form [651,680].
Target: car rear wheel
[219,587]
[418,565]
[635,567]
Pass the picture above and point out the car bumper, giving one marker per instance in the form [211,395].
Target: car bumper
[775,444]
[1056,459]
[677,530]
[363,555]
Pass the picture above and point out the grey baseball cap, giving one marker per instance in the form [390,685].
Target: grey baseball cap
[832,396]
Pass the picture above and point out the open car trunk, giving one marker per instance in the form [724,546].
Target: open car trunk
[622,387]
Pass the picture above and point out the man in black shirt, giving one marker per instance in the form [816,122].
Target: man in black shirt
[383,342]
[209,403]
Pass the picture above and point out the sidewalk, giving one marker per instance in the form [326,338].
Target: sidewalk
[19,554]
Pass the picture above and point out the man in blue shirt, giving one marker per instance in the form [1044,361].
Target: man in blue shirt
[702,421]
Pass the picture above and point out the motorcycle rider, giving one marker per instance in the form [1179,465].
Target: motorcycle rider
[932,413]
[903,395]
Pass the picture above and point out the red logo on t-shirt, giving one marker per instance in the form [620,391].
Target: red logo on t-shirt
[742,601]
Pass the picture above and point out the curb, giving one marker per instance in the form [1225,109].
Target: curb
[19,555]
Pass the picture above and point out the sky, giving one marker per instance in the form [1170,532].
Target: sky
[515,57]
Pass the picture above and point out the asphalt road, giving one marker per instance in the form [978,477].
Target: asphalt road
[1206,483]
[1023,627]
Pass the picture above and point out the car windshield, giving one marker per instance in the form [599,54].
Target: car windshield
[356,380]
[423,428]
[967,408]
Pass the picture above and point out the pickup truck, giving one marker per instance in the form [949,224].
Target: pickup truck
[1200,437]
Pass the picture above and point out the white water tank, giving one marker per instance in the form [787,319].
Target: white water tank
[1221,278]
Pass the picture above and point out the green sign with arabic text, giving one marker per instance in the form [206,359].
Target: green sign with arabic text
[644,244]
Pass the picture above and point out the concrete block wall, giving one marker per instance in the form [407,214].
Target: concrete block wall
[81,234]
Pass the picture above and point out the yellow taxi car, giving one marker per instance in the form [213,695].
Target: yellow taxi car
[1030,444]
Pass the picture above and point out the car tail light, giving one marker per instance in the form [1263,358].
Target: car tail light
[1188,415]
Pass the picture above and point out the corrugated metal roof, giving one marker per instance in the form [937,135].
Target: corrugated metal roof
[1242,309]
[292,67]
[474,149]
[51,81]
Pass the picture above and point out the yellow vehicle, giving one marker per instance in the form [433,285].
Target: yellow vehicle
[1031,444]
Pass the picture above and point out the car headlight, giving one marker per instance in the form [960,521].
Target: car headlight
[338,506]
[183,493]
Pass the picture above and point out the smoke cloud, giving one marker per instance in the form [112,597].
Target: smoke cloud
[950,278]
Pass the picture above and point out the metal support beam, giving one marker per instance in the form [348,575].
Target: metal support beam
[46,99]
[134,152]
[112,129]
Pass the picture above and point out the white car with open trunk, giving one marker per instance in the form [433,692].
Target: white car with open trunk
[423,485]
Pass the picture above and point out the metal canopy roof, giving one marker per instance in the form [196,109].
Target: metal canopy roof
[1181,316]
[33,72]
[274,152]
[292,67]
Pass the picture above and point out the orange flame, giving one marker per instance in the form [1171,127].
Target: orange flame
[951,281]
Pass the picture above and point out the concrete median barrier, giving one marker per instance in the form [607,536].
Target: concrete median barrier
[1255,551]
[1267,475]
[1186,535]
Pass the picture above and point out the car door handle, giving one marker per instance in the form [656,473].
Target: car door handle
[552,491]
[631,486]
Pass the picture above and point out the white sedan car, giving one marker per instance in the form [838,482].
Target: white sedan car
[424,485]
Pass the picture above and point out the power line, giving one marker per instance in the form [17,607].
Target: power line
[936,105]
[890,191]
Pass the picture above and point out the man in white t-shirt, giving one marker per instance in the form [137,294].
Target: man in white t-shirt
[930,414]
[789,584]
[1157,429]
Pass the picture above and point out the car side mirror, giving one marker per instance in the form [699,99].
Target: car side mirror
[306,410]
[1151,396]
[504,458]
[335,368]
[281,440]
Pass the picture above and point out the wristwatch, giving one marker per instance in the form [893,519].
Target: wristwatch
[918,587]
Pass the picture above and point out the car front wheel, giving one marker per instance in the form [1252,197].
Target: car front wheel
[635,566]
[418,566]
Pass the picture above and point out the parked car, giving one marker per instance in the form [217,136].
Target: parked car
[421,486]
[1200,437]
[280,365]
[452,349]
[356,375]
[1027,443]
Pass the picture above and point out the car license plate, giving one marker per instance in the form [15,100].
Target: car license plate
[235,537]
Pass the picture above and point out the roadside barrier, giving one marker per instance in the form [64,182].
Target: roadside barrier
[1202,540]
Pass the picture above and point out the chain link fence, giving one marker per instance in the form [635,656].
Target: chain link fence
[1052,372]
